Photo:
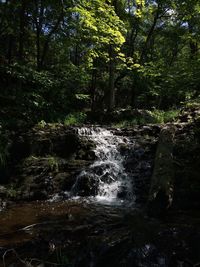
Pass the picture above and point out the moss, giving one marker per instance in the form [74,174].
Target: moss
[50,162]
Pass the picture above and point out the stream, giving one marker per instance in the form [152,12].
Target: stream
[99,222]
[110,182]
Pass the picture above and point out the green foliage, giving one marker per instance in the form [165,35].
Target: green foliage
[76,118]
[160,116]
[149,117]
[53,163]
[194,103]
[171,115]
[99,18]
[59,57]
[41,96]
[11,192]
[41,124]
[126,123]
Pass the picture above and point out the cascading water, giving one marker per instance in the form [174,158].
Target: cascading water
[107,177]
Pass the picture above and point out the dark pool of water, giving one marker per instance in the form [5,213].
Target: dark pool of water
[85,233]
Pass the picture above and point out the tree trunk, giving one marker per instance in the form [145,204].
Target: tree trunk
[48,39]
[22,30]
[111,89]
[38,19]
[149,36]
[193,43]
[133,96]
[76,56]
[38,47]
[93,89]
[10,48]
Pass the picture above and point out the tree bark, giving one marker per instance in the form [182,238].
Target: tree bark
[38,19]
[193,43]
[10,48]
[149,36]
[93,88]
[48,39]
[22,30]
[111,84]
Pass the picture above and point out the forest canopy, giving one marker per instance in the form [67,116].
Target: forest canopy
[62,56]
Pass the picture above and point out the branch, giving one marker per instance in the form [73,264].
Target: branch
[53,30]
[149,35]
[26,262]
[17,256]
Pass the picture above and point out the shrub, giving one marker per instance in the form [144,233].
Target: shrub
[76,118]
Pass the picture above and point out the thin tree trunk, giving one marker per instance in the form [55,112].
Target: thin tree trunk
[193,44]
[46,44]
[22,30]
[76,56]
[38,47]
[149,36]
[133,96]
[38,19]
[10,49]
[111,90]
[93,89]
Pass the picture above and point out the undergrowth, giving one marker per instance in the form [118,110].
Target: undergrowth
[76,118]
[154,117]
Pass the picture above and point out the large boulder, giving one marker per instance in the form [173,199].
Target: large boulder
[175,182]
[162,182]
[46,160]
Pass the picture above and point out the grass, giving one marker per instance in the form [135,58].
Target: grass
[75,118]
[53,163]
[11,191]
[160,116]
[152,117]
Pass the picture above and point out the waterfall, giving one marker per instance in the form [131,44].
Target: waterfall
[107,178]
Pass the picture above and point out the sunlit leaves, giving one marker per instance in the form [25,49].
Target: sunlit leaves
[99,26]
[140,4]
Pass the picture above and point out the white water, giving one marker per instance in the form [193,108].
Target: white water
[114,184]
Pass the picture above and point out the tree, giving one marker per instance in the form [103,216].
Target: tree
[118,53]
[103,33]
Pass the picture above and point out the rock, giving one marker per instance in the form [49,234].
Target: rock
[47,159]
[3,204]
[86,186]
[187,163]
[40,177]
[64,181]
[122,193]
[162,181]
[3,191]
